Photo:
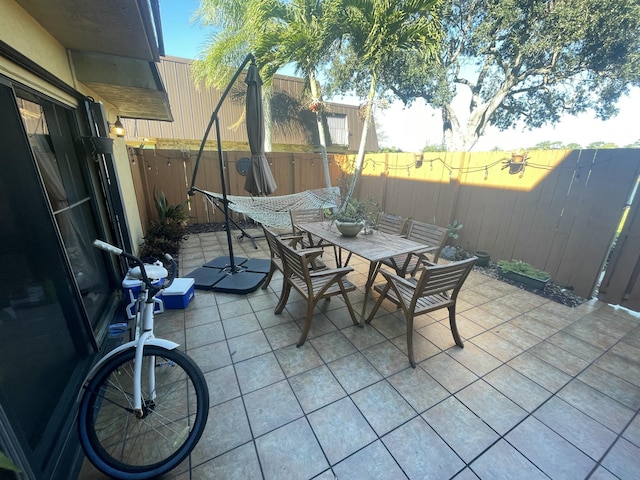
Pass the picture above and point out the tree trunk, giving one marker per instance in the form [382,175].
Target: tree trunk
[267,94]
[463,139]
[357,171]
[316,96]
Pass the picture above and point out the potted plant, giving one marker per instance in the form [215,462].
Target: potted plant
[483,258]
[353,216]
[522,272]
[449,252]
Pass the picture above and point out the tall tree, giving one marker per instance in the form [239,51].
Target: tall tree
[528,61]
[236,26]
[303,33]
[374,32]
[277,32]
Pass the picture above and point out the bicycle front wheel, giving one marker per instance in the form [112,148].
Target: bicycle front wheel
[126,444]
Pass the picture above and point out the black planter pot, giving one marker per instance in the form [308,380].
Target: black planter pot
[483,258]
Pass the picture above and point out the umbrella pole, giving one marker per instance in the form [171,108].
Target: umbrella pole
[225,201]
[222,276]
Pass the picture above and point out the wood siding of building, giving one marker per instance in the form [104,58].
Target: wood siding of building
[294,128]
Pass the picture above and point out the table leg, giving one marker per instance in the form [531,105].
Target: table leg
[373,271]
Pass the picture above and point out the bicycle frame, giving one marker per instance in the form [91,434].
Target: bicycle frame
[143,336]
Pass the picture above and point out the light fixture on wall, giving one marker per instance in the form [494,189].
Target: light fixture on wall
[117,128]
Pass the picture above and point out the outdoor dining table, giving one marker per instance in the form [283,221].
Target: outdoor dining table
[373,247]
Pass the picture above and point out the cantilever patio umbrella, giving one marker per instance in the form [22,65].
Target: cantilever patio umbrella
[259,179]
[230,274]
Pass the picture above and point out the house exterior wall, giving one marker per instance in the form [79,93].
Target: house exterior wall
[60,334]
[21,32]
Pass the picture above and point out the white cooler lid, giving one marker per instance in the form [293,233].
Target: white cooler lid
[180,286]
[154,272]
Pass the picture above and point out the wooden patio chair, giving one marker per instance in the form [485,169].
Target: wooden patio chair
[436,287]
[311,285]
[392,224]
[276,263]
[310,215]
[433,238]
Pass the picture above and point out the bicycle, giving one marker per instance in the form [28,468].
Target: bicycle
[144,405]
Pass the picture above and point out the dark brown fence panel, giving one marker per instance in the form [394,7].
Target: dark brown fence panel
[282,167]
[560,214]
[621,282]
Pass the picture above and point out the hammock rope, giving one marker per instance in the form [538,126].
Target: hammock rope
[274,211]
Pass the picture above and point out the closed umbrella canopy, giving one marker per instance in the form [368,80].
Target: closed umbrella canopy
[259,179]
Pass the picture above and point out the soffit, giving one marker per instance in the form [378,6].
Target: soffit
[113,47]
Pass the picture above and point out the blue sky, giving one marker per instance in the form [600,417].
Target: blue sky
[412,128]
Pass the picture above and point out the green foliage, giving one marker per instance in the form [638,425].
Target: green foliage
[161,238]
[524,61]
[356,210]
[372,33]
[523,268]
[165,234]
[7,464]
[435,147]
[453,229]
[601,145]
[167,212]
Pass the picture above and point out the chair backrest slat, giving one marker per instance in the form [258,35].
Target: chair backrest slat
[307,215]
[429,235]
[388,223]
[444,278]
[293,263]
[272,241]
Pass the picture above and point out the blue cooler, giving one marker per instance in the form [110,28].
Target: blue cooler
[179,294]
[132,287]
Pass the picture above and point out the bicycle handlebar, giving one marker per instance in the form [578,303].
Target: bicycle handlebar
[118,251]
[107,247]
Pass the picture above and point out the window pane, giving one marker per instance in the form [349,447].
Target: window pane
[69,199]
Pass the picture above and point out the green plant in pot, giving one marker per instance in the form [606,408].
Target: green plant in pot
[165,234]
[354,216]
[522,272]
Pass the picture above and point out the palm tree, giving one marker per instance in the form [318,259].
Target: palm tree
[235,28]
[375,31]
[300,32]
[278,32]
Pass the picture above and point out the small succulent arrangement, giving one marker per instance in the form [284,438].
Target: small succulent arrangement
[453,228]
[522,268]
[356,211]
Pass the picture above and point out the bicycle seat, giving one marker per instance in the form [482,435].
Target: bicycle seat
[154,272]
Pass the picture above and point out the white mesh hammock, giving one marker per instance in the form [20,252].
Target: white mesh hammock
[274,211]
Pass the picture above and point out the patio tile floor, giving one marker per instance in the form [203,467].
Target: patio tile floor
[539,391]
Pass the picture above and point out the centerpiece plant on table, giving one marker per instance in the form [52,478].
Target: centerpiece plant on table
[355,215]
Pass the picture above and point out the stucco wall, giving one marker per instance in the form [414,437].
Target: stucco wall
[24,34]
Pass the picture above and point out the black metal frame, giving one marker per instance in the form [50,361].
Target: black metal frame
[233,278]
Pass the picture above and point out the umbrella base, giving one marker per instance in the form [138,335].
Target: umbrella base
[244,277]
[225,262]
[240,282]
[205,278]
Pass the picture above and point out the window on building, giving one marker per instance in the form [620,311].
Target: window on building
[338,129]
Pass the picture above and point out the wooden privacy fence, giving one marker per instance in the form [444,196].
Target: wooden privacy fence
[559,213]
[171,171]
